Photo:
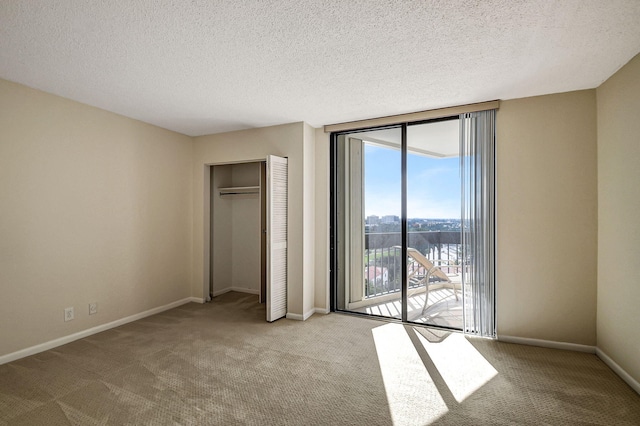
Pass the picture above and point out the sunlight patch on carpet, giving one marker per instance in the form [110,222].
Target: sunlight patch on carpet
[412,395]
[462,367]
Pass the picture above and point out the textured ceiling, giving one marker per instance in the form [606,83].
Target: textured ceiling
[202,66]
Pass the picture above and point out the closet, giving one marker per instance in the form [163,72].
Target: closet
[249,231]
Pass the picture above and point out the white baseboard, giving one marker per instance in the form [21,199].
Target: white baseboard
[238,289]
[323,311]
[196,300]
[298,317]
[635,385]
[618,370]
[90,331]
[548,344]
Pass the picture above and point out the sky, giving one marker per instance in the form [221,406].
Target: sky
[433,184]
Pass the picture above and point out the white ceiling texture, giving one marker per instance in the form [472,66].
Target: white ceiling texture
[209,66]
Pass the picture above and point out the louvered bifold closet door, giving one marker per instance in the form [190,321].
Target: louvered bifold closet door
[277,198]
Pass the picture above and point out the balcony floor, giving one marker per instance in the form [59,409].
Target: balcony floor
[442,310]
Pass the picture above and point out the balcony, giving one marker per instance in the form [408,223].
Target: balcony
[443,309]
[383,275]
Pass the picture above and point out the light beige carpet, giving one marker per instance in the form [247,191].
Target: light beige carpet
[221,363]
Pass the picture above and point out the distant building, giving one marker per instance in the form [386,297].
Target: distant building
[390,219]
[373,220]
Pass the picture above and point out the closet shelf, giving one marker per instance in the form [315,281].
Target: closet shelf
[239,190]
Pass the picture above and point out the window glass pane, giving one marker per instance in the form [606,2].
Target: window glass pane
[433,224]
[369,236]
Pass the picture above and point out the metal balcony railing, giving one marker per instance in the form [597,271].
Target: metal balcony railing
[383,273]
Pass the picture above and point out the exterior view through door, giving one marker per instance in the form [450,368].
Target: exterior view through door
[405,225]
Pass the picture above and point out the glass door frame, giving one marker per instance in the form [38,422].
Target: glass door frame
[334,223]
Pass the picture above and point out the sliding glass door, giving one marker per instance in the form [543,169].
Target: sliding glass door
[433,224]
[409,238]
[369,210]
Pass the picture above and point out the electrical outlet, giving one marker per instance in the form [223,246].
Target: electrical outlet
[93,308]
[68,314]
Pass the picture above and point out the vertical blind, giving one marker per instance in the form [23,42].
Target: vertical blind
[477,155]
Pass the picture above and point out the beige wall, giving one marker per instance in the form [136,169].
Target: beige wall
[547,217]
[101,208]
[255,144]
[92,210]
[321,296]
[618,213]
[309,220]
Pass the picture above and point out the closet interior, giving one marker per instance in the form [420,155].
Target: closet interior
[238,229]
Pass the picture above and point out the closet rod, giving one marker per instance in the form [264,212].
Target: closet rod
[238,193]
